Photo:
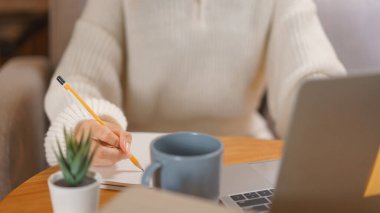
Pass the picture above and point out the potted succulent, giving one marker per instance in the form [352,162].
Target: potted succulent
[75,188]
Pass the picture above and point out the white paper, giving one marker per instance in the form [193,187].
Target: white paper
[124,171]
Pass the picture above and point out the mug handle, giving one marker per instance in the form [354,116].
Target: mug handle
[149,173]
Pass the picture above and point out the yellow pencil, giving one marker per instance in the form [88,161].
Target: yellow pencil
[96,117]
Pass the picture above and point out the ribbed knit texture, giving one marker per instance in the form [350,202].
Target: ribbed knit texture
[199,65]
[68,119]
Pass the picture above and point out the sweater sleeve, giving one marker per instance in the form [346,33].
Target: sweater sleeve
[298,50]
[92,64]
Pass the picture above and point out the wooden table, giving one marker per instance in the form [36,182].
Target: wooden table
[33,195]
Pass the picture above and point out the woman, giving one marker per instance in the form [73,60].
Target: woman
[200,65]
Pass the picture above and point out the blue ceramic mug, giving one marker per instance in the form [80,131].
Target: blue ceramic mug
[186,162]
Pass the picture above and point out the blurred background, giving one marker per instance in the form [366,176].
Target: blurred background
[23,28]
[34,33]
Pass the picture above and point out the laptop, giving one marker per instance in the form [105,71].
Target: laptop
[329,157]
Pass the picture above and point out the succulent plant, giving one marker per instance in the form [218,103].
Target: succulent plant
[75,164]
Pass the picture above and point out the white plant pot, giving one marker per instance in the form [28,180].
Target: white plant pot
[82,199]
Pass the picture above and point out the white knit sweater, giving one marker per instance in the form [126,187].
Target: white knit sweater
[201,65]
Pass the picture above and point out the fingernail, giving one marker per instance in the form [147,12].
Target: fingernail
[122,144]
[126,145]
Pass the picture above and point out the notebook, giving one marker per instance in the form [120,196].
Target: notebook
[124,171]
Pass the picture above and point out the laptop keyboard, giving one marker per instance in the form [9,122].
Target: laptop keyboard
[257,200]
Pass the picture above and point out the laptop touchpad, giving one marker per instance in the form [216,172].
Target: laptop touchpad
[268,169]
[241,178]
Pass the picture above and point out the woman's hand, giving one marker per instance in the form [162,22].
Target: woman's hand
[113,142]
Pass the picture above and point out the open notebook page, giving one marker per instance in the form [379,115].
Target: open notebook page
[124,171]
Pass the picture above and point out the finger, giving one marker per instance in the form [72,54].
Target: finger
[113,127]
[82,130]
[104,134]
[125,142]
[110,121]
[106,156]
[125,138]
